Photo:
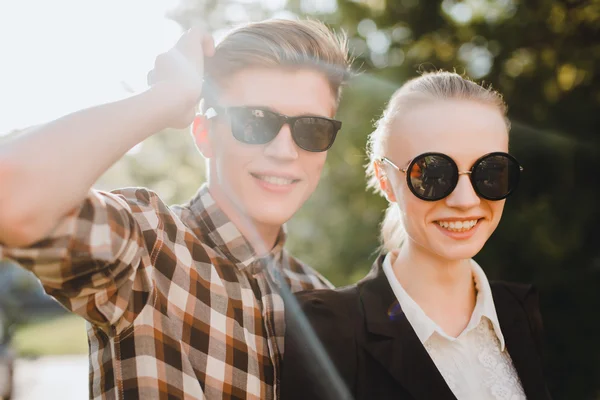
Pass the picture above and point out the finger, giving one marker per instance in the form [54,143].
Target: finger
[150,78]
[197,31]
[161,62]
[196,43]
[190,39]
[199,34]
[208,45]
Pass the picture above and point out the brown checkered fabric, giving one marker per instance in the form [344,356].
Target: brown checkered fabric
[179,305]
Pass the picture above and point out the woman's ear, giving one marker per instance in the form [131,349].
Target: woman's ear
[201,136]
[384,182]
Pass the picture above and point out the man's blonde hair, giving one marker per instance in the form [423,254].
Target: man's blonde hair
[280,43]
[439,85]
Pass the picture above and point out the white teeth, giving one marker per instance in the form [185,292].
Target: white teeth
[275,180]
[457,226]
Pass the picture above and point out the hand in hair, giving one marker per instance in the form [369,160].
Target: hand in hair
[59,161]
[181,69]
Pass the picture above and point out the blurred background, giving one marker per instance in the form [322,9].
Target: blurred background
[543,55]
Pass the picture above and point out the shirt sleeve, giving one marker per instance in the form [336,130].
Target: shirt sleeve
[95,262]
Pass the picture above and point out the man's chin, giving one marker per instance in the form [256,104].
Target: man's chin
[275,211]
[272,218]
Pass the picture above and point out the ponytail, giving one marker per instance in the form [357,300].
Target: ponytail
[392,229]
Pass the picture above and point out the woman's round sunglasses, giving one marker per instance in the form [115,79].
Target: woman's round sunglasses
[255,125]
[433,176]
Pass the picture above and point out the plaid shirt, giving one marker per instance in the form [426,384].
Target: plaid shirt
[179,305]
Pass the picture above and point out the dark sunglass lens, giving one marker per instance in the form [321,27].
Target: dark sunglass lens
[496,176]
[314,134]
[254,126]
[432,177]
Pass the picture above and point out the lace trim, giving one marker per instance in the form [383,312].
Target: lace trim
[497,378]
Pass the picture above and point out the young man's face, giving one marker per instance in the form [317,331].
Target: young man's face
[267,182]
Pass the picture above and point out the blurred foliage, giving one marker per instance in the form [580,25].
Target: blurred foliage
[51,337]
[168,163]
[543,55]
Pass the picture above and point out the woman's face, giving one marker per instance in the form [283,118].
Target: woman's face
[465,130]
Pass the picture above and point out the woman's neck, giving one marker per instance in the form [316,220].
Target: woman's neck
[443,288]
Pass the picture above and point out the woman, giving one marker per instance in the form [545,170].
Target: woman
[426,323]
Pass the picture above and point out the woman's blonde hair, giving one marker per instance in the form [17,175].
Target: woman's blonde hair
[439,85]
[280,43]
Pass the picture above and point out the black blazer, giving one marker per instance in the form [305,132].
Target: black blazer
[378,354]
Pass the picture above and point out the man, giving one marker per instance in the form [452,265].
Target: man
[179,301]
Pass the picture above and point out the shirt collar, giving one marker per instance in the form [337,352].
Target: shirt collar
[224,234]
[420,322]
[424,326]
[485,306]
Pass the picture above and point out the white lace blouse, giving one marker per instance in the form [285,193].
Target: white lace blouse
[475,365]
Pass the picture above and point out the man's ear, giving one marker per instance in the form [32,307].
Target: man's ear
[201,137]
[384,182]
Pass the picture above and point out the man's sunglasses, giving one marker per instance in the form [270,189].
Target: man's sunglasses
[255,125]
[433,176]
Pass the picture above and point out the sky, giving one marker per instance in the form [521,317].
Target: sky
[60,56]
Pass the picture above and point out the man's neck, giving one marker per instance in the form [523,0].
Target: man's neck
[261,237]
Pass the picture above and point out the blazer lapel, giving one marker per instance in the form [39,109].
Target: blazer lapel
[392,341]
[519,341]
